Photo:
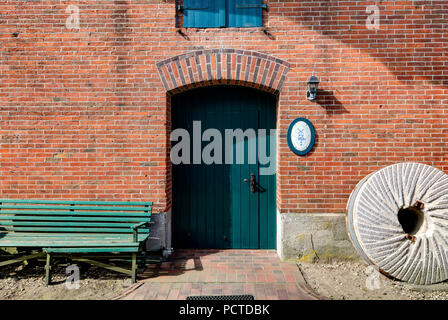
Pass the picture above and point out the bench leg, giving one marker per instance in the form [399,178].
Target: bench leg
[134,267]
[48,270]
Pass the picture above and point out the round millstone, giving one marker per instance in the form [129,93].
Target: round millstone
[397,219]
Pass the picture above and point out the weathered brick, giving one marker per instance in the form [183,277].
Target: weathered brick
[101,94]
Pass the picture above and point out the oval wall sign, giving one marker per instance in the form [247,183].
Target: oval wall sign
[301,136]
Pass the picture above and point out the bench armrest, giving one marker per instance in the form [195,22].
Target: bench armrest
[138,225]
[135,229]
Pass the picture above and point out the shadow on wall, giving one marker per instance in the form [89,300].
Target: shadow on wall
[410,41]
[328,101]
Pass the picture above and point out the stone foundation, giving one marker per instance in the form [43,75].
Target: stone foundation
[314,237]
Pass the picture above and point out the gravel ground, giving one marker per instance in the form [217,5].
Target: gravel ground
[339,280]
[28,283]
[347,280]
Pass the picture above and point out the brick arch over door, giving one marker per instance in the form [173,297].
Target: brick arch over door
[223,66]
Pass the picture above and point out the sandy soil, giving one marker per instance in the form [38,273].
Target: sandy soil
[28,282]
[341,280]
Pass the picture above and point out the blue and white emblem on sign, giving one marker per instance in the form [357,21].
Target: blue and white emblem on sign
[301,136]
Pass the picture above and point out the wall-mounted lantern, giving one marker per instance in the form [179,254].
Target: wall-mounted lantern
[313,83]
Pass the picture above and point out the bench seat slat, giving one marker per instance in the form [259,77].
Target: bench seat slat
[9,239]
[70,229]
[4,235]
[68,224]
[67,244]
[24,242]
[87,250]
[101,208]
[77,213]
[124,203]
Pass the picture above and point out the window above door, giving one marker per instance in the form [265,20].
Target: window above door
[222,13]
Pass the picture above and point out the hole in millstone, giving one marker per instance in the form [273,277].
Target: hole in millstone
[411,219]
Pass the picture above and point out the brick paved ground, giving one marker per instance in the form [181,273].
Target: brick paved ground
[223,272]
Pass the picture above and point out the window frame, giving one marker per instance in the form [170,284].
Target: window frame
[226,14]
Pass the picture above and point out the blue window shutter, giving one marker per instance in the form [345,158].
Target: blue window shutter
[244,13]
[204,13]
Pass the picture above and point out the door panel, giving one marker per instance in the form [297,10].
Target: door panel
[212,205]
[244,203]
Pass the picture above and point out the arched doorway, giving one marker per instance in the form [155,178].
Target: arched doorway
[229,203]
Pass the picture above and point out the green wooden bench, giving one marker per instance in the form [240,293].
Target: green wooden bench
[72,227]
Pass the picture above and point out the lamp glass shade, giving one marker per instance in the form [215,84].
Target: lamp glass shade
[313,83]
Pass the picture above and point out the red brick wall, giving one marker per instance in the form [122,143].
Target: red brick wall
[84,113]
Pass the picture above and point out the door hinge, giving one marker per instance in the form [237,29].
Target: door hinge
[183,8]
[253,6]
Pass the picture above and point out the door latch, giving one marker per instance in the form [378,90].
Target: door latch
[252,182]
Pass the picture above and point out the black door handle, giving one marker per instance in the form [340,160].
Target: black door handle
[252,182]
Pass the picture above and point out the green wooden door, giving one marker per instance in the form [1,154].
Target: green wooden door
[213,205]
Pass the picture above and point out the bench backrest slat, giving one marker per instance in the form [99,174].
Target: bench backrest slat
[4,218]
[49,207]
[78,213]
[109,203]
